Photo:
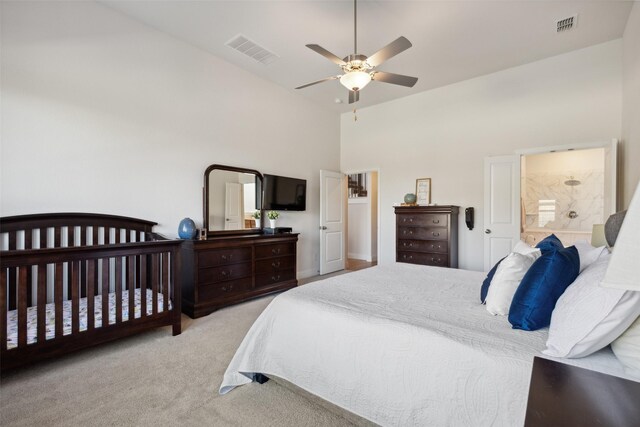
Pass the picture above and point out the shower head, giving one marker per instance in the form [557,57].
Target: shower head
[572,182]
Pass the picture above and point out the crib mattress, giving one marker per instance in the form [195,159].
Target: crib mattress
[32,316]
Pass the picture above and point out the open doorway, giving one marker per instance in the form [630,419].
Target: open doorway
[562,193]
[362,224]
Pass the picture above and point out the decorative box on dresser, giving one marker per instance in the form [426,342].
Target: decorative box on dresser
[226,270]
[427,235]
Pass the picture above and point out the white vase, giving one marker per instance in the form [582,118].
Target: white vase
[257,222]
[272,223]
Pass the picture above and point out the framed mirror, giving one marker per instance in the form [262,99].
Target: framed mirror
[231,198]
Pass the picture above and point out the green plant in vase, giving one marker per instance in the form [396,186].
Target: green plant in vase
[273,216]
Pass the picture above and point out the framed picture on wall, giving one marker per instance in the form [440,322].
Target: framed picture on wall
[423,191]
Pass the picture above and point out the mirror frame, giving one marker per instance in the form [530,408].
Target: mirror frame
[205,201]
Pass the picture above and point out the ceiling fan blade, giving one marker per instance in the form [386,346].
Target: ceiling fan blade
[324,52]
[354,96]
[396,79]
[319,81]
[389,51]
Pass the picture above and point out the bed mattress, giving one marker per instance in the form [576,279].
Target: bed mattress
[32,316]
[399,344]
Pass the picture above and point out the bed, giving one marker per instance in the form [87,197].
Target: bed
[74,280]
[399,344]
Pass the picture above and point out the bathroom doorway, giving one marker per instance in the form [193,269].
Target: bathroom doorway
[564,193]
[362,224]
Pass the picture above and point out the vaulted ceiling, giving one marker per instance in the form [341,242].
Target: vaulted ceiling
[452,40]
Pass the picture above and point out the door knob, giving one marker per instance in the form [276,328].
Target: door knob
[323,227]
[487,231]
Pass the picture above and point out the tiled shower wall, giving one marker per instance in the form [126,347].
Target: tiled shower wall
[585,199]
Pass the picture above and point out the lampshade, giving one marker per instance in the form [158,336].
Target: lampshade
[624,267]
[597,236]
[355,80]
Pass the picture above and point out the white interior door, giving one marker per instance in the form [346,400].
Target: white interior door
[610,179]
[233,211]
[501,207]
[332,221]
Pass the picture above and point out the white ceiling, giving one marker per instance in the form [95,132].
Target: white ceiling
[452,40]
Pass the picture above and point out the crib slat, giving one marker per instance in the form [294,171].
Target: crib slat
[13,288]
[154,283]
[56,237]
[83,236]
[29,288]
[105,292]
[41,271]
[131,268]
[94,230]
[165,281]
[28,239]
[70,241]
[117,232]
[57,298]
[22,306]
[91,286]
[43,238]
[75,300]
[12,240]
[3,309]
[118,290]
[143,286]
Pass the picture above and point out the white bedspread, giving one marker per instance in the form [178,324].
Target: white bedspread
[399,345]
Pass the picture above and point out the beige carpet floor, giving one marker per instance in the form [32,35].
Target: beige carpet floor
[155,379]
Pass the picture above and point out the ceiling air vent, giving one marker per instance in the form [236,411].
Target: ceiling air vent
[566,24]
[245,46]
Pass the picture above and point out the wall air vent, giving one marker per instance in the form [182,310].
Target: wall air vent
[566,24]
[247,47]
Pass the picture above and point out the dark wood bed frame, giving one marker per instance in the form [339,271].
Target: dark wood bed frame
[74,255]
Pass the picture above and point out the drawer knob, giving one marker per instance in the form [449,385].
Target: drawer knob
[275,264]
[407,257]
[275,278]
[225,273]
[436,221]
[226,289]
[435,234]
[275,251]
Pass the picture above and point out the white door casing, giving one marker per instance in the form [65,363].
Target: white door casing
[610,179]
[332,221]
[501,207]
[233,206]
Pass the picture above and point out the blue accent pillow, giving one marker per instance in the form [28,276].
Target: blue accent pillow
[541,287]
[550,243]
[484,290]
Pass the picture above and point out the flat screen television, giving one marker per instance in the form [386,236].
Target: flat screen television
[284,194]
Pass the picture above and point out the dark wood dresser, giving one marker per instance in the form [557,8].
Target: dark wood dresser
[222,271]
[427,235]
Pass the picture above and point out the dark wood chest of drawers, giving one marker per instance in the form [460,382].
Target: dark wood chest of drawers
[227,270]
[427,235]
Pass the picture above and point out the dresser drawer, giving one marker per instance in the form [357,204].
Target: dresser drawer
[223,290]
[441,260]
[426,220]
[426,233]
[437,246]
[226,272]
[273,278]
[272,265]
[275,250]
[213,258]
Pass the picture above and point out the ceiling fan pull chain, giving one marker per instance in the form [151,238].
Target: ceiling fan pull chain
[355,117]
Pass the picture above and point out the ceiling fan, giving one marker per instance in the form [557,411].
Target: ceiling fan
[359,70]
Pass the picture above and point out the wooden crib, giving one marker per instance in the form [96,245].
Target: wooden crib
[74,280]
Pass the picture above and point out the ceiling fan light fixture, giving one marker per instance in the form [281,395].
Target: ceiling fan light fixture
[355,80]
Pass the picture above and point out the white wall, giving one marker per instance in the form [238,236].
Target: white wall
[631,104]
[445,133]
[103,114]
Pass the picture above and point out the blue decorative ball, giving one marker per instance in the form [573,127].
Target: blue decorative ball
[409,198]
[187,229]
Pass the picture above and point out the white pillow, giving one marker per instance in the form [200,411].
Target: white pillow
[588,317]
[506,280]
[588,254]
[627,348]
[524,249]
